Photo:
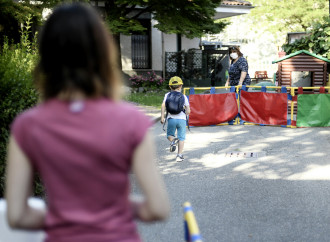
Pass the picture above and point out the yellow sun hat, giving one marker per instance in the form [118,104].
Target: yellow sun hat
[175,81]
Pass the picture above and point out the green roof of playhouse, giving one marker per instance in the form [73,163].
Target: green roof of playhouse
[299,52]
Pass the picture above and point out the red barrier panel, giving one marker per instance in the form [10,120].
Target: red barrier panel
[264,108]
[211,109]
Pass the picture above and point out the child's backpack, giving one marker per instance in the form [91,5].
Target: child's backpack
[174,102]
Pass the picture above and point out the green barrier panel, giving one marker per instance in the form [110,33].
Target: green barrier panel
[313,110]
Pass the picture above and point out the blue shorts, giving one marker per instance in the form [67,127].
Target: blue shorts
[179,125]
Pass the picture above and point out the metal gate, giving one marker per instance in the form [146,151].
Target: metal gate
[198,68]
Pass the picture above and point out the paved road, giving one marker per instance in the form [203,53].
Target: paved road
[281,195]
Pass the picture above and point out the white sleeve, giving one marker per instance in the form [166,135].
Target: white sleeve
[165,97]
[186,102]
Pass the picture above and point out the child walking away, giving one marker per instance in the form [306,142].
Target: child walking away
[177,109]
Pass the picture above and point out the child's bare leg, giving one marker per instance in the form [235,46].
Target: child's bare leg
[170,138]
[181,145]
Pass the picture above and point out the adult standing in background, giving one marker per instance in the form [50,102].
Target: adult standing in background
[82,140]
[238,69]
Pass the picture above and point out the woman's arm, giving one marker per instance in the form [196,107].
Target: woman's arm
[19,183]
[155,205]
[227,82]
[241,79]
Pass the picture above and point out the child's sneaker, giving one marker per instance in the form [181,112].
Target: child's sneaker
[179,158]
[173,144]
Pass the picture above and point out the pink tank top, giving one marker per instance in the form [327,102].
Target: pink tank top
[83,152]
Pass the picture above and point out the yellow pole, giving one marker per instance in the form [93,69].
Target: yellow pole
[237,91]
[189,217]
[292,106]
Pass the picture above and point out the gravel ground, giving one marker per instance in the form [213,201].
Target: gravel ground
[246,183]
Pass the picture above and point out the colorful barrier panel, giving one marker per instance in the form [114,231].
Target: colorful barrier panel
[191,229]
[280,107]
[313,110]
[211,109]
[264,108]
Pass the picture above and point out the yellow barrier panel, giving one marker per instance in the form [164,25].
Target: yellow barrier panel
[193,234]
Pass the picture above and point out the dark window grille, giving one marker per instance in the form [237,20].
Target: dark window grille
[140,52]
[197,65]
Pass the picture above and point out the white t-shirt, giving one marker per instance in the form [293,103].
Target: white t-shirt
[181,115]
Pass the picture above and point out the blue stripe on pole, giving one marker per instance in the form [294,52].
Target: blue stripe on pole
[195,237]
[232,89]
[212,91]
[289,97]
[192,90]
[244,87]
[263,89]
[283,90]
[186,209]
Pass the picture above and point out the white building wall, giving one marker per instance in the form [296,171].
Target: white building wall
[156,48]
[126,52]
[187,44]
[170,44]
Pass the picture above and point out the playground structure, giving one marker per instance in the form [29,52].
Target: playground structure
[302,69]
[272,105]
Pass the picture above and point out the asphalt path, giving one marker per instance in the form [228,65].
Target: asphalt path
[281,193]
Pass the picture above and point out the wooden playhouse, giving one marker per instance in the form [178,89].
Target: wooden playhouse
[302,69]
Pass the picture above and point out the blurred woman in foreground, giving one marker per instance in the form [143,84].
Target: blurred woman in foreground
[82,140]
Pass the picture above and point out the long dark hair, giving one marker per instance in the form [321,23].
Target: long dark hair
[77,52]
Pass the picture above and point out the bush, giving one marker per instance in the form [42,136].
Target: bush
[317,41]
[149,81]
[17,91]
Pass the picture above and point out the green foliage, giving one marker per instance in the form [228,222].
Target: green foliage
[283,16]
[189,18]
[151,98]
[149,80]
[13,14]
[123,26]
[317,41]
[17,91]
